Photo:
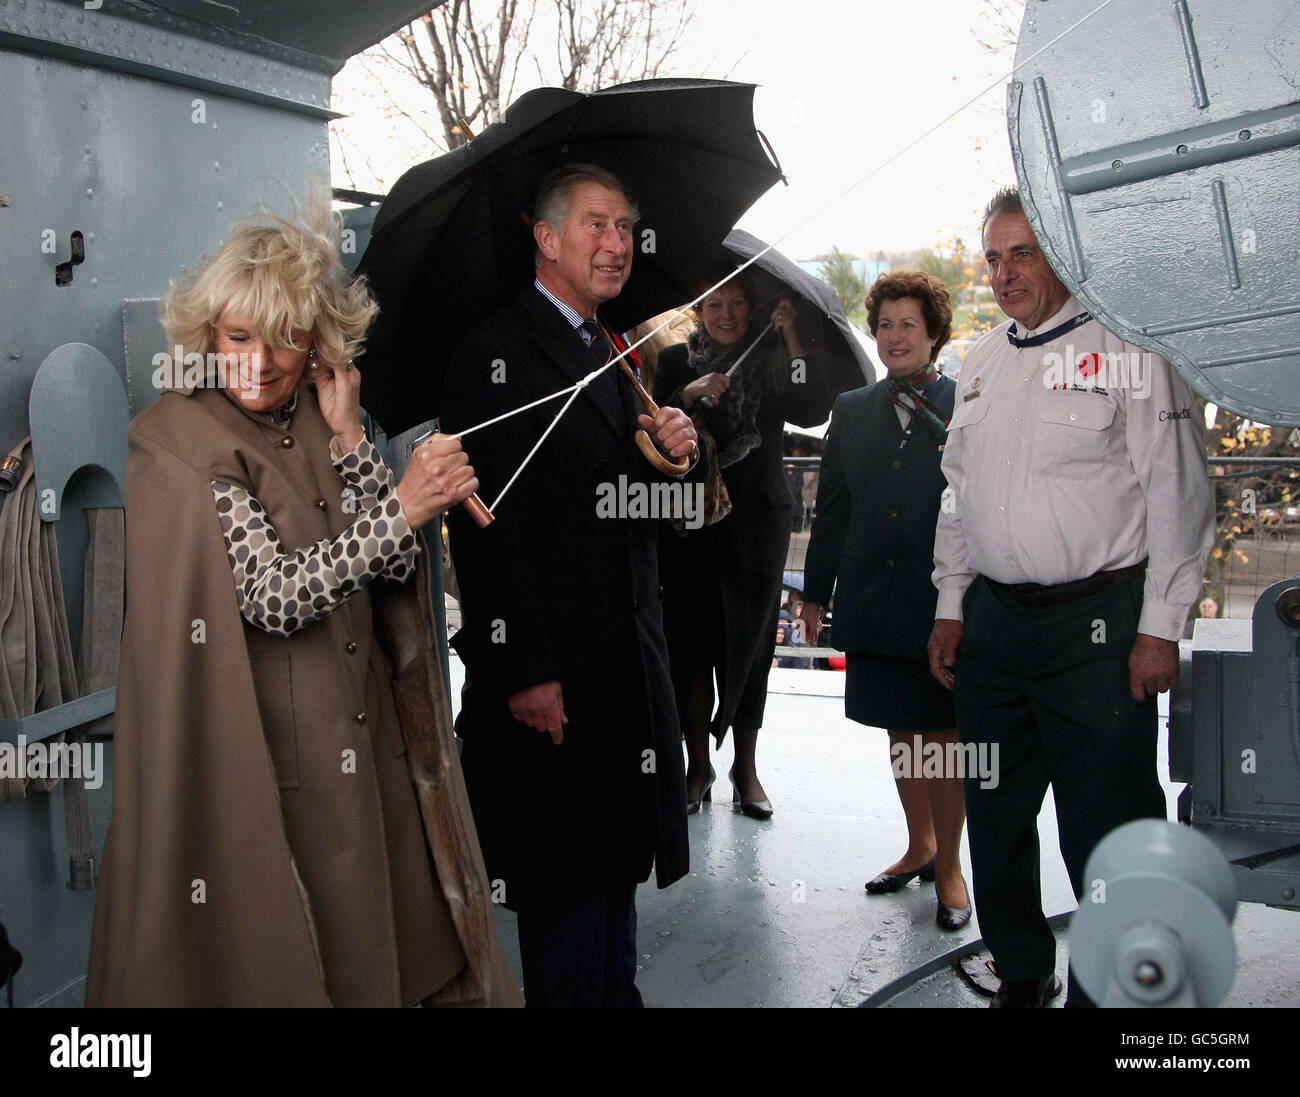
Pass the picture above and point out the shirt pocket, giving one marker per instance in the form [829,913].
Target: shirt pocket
[1072,437]
[969,430]
[273,681]
[969,412]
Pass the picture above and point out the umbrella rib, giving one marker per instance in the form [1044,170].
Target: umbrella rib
[553,424]
[749,348]
[573,390]
[527,407]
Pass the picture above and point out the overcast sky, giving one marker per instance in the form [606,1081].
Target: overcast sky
[843,88]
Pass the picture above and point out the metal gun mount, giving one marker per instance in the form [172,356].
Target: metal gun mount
[1234,737]
[1154,925]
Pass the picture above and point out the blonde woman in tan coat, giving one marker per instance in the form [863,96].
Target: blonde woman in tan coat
[290,825]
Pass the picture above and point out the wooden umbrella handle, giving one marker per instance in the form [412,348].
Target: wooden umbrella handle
[646,445]
[474,506]
[477,509]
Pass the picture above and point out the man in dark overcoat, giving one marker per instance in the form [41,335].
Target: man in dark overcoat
[572,748]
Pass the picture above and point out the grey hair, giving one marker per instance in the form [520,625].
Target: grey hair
[1007,200]
[554,203]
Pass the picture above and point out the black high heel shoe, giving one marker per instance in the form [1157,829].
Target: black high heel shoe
[896,881]
[706,793]
[954,917]
[755,809]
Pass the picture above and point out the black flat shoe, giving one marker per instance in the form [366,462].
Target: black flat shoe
[1026,993]
[895,881]
[755,809]
[954,917]
[706,793]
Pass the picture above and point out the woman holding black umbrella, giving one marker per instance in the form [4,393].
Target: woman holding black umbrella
[873,543]
[742,374]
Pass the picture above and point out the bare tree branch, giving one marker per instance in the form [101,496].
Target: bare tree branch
[468,53]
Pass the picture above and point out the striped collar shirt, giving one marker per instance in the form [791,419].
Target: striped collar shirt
[569,312]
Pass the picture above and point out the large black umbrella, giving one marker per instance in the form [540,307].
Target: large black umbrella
[453,241]
[823,326]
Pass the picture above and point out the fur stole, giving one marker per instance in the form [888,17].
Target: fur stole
[764,373]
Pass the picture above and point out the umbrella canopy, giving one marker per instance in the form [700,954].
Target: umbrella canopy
[453,242]
[822,323]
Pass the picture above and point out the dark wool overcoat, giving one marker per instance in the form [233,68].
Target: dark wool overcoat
[560,589]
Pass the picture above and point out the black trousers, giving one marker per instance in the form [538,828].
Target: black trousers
[580,952]
[1048,687]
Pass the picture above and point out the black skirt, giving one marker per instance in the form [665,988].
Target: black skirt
[722,597]
[884,691]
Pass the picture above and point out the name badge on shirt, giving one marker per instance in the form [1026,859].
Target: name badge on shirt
[970,396]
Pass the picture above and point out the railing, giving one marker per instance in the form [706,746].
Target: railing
[1257,504]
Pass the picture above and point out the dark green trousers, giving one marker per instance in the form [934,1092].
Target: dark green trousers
[1048,687]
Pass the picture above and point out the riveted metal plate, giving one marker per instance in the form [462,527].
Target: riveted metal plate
[1157,146]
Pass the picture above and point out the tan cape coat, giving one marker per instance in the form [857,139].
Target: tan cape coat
[266,845]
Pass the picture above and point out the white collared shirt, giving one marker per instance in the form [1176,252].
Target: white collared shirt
[1080,455]
[570,313]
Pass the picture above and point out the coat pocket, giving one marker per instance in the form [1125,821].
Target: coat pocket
[273,681]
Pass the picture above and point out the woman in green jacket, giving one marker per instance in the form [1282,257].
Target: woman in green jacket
[873,544]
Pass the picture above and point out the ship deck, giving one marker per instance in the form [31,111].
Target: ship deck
[773,913]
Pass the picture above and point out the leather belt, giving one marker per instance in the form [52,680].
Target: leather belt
[1032,594]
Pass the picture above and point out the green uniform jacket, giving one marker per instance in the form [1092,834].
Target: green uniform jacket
[873,539]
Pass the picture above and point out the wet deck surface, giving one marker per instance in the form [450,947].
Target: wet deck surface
[773,913]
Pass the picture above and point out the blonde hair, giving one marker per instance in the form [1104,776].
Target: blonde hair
[286,276]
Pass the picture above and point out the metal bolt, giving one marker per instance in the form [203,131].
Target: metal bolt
[1288,893]
[1182,150]
[1288,606]
[1148,974]
[1118,165]
[1244,135]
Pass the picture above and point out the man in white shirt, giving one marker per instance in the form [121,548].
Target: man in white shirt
[1067,556]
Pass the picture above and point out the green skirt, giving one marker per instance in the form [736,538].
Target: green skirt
[884,691]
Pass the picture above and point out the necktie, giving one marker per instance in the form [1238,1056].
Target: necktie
[596,342]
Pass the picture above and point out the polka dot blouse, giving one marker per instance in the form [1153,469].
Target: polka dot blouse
[281,592]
